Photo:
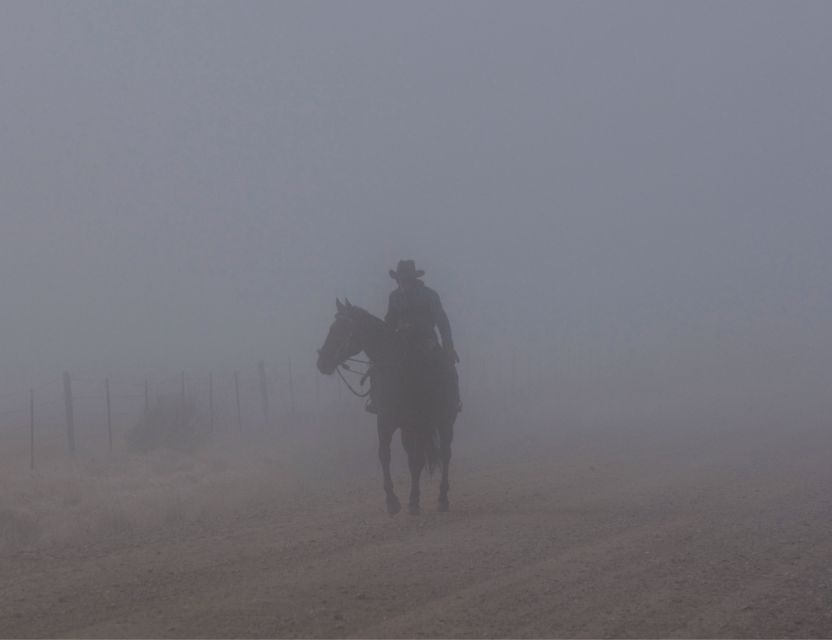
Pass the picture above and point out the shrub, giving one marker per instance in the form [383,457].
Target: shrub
[171,423]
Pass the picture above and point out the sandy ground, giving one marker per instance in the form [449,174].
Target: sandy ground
[578,532]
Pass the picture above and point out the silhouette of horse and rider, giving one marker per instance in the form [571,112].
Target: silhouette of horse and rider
[414,385]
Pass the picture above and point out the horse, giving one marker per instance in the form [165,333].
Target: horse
[412,397]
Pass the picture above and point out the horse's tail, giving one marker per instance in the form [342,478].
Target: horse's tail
[432,444]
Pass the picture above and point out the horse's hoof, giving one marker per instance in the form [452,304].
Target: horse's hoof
[393,507]
[413,509]
[444,506]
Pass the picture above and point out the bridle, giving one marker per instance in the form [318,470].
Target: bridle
[344,367]
[338,368]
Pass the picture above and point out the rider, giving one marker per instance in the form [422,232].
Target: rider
[415,311]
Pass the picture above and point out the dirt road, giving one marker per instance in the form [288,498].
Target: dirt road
[697,533]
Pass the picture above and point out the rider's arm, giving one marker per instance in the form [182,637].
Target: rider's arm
[442,322]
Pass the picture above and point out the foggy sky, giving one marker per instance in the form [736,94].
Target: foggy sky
[619,188]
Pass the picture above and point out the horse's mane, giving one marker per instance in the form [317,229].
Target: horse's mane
[379,335]
[366,315]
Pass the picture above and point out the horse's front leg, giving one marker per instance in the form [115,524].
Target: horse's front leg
[446,437]
[413,445]
[385,437]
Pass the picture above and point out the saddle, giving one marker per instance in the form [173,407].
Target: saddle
[423,376]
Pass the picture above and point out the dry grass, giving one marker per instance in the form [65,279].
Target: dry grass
[126,494]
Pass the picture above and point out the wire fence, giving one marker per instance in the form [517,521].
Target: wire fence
[78,414]
[84,414]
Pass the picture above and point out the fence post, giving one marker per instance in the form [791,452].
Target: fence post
[264,391]
[70,416]
[211,400]
[291,390]
[109,416]
[513,386]
[183,389]
[146,395]
[31,429]
[237,394]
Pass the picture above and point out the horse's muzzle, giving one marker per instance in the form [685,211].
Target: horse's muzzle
[326,367]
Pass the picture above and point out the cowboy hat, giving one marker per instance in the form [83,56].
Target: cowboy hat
[406,269]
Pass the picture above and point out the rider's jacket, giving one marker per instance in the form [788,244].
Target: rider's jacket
[416,308]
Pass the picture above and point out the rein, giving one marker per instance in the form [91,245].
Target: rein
[357,394]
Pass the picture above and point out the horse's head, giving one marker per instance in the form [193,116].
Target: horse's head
[342,341]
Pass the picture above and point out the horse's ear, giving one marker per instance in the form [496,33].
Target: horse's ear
[338,305]
[348,303]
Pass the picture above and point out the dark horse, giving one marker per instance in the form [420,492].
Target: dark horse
[412,396]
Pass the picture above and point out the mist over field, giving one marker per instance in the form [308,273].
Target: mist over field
[640,188]
[625,208]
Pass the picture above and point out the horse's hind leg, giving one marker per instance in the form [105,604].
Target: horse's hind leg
[446,436]
[385,436]
[411,439]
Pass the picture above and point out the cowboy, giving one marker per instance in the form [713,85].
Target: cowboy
[415,311]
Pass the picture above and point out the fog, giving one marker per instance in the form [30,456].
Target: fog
[627,201]
[625,207]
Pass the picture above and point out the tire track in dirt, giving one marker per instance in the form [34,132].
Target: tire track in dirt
[642,582]
[584,541]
